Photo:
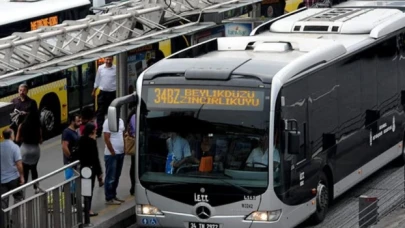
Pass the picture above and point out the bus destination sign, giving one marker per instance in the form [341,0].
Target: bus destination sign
[194,98]
[48,21]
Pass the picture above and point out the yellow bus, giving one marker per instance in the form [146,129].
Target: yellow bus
[292,5]
[59,92]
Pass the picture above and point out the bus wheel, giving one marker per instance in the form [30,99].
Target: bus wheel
[48,120]
[322,200]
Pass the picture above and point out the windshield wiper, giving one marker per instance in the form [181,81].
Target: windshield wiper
[156,186]
[245,190]
[206,176]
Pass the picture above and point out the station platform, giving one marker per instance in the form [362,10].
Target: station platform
[109,216]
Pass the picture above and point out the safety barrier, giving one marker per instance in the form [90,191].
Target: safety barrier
[59,206]
[375,206]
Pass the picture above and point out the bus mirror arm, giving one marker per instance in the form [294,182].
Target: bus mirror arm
[114,110]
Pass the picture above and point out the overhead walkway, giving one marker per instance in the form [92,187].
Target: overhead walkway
[123,27]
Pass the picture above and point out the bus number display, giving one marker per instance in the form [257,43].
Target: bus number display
[48,21]
[210,98]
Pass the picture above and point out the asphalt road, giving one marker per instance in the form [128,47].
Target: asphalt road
[386,184]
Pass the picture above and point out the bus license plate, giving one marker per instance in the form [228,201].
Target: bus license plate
[202,225]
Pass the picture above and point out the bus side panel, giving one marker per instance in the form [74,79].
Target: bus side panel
[351,137]
[370,114]
[354,113]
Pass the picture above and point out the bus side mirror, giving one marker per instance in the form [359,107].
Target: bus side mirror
[114,110]
[293,142]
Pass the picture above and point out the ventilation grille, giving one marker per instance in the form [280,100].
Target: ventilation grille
[333,14]
[316,28]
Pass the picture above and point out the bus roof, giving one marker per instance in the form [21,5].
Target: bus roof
[17,11]
[395,4]
[292,44]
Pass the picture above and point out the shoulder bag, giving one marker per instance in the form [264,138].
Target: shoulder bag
[129,143]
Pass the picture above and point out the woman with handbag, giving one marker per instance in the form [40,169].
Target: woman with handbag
[129,142]
[29,134]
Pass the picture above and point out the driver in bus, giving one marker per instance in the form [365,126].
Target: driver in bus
[179,152]
[259,156]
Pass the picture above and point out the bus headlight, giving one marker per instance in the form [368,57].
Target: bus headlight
[145,209]
[265,216]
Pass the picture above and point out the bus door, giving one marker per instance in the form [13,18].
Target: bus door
[298,171]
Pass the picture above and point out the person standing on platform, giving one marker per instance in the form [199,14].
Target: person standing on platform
[88,116]
[24,104]
[70,140]
[106,80]
[30,135]
[88,156]
[12,175]
[114,160]
[131,130]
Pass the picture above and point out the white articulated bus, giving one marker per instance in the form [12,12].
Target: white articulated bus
[266,130]
[28,15]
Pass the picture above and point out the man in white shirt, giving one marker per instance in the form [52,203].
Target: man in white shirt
[259,157]
[106,81]
[114,160]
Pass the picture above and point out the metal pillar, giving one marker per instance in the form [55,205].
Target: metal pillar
[122,81]
[256,10]
[368,211]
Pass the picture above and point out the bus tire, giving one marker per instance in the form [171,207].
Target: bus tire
[322,199]
[50,115]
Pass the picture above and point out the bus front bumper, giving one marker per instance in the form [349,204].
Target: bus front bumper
[177,220]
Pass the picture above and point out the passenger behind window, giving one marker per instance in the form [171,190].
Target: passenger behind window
[259,156]
[206,154]
[179,152]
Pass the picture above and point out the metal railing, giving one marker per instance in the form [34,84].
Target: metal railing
[373,208]
[59,206]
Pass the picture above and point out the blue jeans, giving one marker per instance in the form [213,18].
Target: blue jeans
[113,168]
[69,174]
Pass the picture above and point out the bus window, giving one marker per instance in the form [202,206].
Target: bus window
[73,88]
[323,107]
[88,76]
[386,52]
[171,130]
[35,82]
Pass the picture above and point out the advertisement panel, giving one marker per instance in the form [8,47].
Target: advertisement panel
[137,61]
[238,29]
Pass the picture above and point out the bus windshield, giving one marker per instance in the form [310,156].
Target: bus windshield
[205,137]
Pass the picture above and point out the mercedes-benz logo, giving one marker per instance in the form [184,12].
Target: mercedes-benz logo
[203,212]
